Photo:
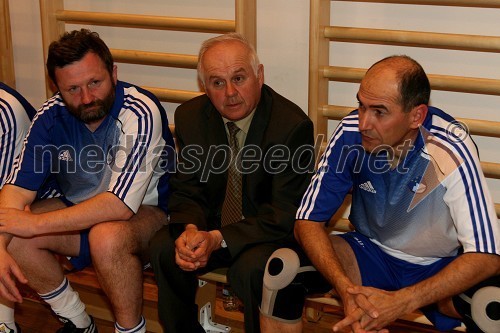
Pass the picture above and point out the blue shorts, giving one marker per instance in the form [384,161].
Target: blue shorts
[83,259]
[377,269]
[380,270]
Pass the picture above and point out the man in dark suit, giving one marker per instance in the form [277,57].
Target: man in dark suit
[274,166]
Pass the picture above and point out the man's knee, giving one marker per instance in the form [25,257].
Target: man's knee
[109,238]
[152,218]
[283,293]
[480,306]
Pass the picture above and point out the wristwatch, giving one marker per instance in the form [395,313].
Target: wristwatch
[223,244]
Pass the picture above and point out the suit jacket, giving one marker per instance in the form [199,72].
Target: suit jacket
[272,186]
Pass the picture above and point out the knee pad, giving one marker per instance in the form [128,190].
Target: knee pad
[483,306]
[485,309]
[281,270]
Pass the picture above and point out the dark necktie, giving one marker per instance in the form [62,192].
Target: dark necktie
[231,208]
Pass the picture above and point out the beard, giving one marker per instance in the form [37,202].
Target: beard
[95,111]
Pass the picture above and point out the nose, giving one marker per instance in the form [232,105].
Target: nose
[86,96]
[364,121]
[230,90]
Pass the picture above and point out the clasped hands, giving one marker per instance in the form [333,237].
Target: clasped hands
[369,310]
[194,247]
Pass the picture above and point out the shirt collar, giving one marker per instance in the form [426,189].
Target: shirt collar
[243,124]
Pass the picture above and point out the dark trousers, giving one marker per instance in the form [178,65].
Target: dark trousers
[177,289]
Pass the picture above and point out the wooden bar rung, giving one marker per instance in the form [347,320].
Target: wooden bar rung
[481,127]
[155,58]
[414,38]
[173,95]
[491,169]
[457,3]
[146,21]
[438,82]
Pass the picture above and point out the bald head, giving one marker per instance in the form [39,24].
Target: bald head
[406,74]
[225,41]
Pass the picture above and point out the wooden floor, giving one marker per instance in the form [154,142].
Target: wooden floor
[34,317]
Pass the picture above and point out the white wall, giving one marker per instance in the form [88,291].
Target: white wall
[282,44]
[282,49]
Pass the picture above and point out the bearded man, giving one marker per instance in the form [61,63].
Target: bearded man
[108,144]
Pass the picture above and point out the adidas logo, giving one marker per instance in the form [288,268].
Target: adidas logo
[367,186]
[65,156]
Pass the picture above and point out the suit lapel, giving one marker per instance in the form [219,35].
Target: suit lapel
[216,136]
[260,119]
[216,132]
[255,137]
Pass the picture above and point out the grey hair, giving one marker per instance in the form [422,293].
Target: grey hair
[230,37]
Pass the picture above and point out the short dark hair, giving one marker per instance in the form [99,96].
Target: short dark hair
[73,46]
[414,86]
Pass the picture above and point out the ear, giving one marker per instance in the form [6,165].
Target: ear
[418,115]
[260,74]
[115,74]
